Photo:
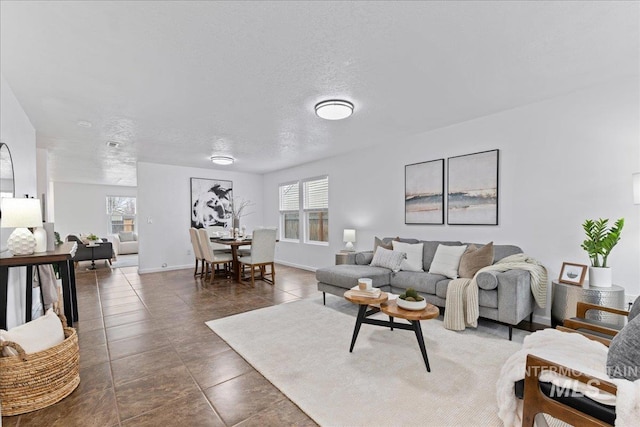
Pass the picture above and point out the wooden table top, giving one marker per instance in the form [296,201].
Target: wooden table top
[390,308]
[60,253]
[232,242]
[365,300]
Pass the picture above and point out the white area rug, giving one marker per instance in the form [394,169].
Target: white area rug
[303,349]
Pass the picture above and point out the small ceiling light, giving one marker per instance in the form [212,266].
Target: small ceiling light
[222,160]
[84,124]
[334,109]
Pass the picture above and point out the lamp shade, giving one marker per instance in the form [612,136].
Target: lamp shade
[20,213]
[349,235]
[636,188]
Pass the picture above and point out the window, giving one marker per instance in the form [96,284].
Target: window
[316,209]
[122,213]
[290,211]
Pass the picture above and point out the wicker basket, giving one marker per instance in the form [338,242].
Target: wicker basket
[29,382]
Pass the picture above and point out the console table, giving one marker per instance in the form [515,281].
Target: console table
[565,298]
[60,256]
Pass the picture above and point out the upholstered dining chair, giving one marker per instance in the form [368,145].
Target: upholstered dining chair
[197,252]
[263,248]
[211,259]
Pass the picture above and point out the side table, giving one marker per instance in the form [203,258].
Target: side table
[565,298]
[345,258]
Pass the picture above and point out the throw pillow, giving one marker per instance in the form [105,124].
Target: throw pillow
[623,358]
[380,243]
[414,255]
[474,259]
[126,236]
[388,259]
[38,335]
[447,260]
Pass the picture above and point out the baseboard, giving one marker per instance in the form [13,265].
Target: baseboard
[291,264]
[168,268]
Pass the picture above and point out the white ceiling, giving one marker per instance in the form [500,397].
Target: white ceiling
[176,82]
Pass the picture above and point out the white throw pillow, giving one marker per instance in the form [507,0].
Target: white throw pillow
[388,259]
[447,260]
[38,335]
[414,255]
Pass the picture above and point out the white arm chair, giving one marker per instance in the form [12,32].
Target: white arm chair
[210,258]
[197,252]
[217,231]
[263,248]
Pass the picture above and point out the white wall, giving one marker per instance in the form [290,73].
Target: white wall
[18,133]
[82,208]
[561,161]
[164,200]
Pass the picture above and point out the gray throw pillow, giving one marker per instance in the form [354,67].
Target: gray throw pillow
[623,359]
[126,236]
[388,259]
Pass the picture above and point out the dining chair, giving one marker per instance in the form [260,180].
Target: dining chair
[216,231]
[211,259]
[263,247]
[195,243]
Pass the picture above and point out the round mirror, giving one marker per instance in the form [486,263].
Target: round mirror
[7,187]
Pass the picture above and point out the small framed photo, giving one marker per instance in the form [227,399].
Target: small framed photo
[572,274]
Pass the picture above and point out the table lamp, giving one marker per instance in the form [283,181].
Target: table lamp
[20,214]
[349,237]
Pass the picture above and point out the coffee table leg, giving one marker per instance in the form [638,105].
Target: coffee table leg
[362,310]
[391,321]
[418,331]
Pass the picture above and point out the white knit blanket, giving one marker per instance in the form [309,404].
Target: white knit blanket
[577,353]
[462,307]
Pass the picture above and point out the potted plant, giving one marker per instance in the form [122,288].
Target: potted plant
[600,241]
[92,238]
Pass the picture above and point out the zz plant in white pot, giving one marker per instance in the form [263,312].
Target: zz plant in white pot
[599,242]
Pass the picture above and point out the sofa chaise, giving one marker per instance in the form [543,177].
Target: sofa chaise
[504,297]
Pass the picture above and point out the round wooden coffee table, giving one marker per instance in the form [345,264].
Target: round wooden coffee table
[391,309]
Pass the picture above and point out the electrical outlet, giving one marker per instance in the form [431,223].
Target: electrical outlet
[629,299]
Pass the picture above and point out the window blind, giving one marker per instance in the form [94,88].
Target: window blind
[290,197]
[316,194]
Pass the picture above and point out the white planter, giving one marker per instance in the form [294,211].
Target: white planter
[600,277]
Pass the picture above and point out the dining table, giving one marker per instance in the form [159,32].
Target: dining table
[234,244]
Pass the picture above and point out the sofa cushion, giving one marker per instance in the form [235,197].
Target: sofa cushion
[388,259]
[447,260]
[429,251]
[421,282]
[487,280]
[441,288]
[475,258]
[347,275]
[364,258]
[503,251]
[623,358]
[413,262]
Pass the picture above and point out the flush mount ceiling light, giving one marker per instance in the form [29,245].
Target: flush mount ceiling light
[222,160]
[335,109]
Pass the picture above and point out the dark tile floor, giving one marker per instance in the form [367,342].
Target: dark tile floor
[148,359]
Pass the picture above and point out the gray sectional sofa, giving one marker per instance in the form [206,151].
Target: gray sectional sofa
[503,297]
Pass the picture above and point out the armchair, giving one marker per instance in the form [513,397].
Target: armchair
[125,243]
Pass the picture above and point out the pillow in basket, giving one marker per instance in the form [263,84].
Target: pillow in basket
[38,335]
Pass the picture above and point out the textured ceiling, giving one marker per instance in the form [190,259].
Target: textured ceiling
[175,82]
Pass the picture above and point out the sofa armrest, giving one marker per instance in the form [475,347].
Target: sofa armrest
[115,241]
[515,301]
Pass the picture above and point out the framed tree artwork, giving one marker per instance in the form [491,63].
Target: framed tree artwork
[472,191]
[211,203]
[424,193]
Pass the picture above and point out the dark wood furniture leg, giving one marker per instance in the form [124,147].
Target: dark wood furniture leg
[362,311]
[67,295]
[29,294]
[4,287]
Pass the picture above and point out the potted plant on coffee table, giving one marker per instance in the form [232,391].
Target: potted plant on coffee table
[599,242]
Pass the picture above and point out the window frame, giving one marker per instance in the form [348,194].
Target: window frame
[307,211]
[125,217]
[282,212]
